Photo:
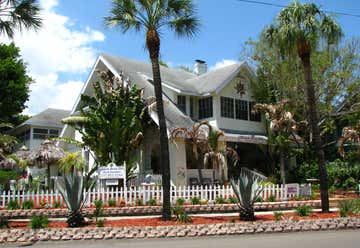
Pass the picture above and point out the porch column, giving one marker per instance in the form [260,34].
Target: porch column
[177,161]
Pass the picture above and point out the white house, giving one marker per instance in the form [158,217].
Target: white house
[222,97]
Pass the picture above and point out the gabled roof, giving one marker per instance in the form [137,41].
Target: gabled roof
[48,118]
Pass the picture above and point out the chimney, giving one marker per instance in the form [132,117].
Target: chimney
[200,67]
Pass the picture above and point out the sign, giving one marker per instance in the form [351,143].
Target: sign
[292,188]
[112,171]
[112,182]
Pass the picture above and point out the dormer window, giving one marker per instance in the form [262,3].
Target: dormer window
[181,103]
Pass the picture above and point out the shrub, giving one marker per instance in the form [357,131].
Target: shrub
[98,209]
[151,202]
[111,202]
[232,200]
[57,204]
[100,223]
[180,201]
[4,222]
[303,210]
[349,207]
[271,198]
[343,213]
[6,176]
[181,215]
[139,202]
[27,204]
[195,200]
[259,199]
[38,222]
[350,183]
[278,215]
[13,204]
[203,202]
[220,200]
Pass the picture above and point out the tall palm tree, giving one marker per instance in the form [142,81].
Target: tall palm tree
[301,28]
[19,14]
[152,16]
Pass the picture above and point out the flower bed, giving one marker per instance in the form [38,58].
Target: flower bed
[168,231]
[155,210]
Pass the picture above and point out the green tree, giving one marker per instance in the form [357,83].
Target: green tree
[300,27]
[112,122]
[151,16]
[19,14]
[14,83]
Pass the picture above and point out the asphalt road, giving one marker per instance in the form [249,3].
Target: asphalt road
[333,239]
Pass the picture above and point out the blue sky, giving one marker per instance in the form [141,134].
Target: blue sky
[226,25]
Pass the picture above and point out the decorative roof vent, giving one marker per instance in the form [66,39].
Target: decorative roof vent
[200,67]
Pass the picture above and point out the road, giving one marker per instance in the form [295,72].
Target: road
[333,239]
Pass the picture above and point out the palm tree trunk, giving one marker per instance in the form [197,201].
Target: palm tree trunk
[153,45]
[314,120]
[282,166]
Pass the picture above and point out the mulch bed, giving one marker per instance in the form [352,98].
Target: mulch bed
[157,221]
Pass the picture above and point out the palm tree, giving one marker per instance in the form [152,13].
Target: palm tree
[301,27]
[151,16]
[19,14]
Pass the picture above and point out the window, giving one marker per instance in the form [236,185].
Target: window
[191,107]
[39,133]
[241,110]
[205,108]
[254,116]
[24,136]
[227,107]
[181,103]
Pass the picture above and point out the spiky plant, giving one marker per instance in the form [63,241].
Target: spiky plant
[71,189]
[247,188]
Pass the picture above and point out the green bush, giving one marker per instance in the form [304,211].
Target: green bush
[57,204]
[6,176]
[151,202]
[271,198]
[347,207]
[181,215]
[139,202]
[259,199]
[4,222]
[13,204]
[100,223]
[303,210]
[112,203]
[38,222]
[98,212]
[180,201]
[278,215]
[195,200]
[27,204]
[220,200]
[232,200]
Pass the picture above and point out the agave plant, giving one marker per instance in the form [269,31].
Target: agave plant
[71,189]
[247,189]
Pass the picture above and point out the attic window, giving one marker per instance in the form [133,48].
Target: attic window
[181,103]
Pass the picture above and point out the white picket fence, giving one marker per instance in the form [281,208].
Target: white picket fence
[129,195]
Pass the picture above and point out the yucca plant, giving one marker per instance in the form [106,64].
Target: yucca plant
[71,189]
[247,189]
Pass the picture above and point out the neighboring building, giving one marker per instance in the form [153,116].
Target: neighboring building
[35,130]
[222,97]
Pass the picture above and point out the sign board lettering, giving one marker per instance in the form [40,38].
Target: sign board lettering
[112,182]
[111,171]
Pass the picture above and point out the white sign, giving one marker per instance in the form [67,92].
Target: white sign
[292,188]
[111,171]
[112,182]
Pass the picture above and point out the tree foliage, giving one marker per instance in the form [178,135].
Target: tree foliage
[14,83]
[19,14]
[112,121]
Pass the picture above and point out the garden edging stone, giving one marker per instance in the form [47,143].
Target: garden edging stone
[64,234]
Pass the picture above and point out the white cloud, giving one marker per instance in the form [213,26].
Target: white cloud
[58,47]
[223,63]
